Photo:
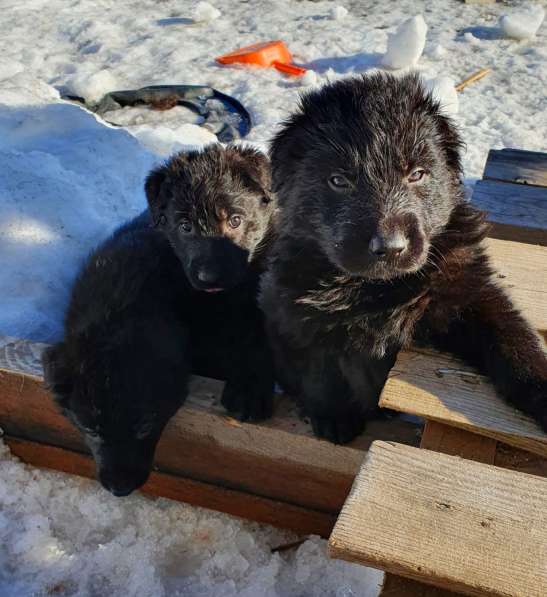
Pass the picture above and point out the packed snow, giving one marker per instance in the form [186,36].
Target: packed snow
[63,535]
[68,178]
[405,46]
[204,12]
[444,91]
[523,23]
[338,12]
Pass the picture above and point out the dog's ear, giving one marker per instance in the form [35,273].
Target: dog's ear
[57,373]
[286,151]
[157,202]
[451,143]
[254,167]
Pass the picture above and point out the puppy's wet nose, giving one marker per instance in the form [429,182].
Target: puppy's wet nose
[388,247]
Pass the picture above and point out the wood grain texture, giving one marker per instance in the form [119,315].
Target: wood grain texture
[279,459]
[517,166]
[440,387]
[517,212]
[243,505]
[454,523]
[521,270]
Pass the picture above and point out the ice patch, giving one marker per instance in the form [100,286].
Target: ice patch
[405,46]
[205,12]
[338,12]
[523,23]
[92,86]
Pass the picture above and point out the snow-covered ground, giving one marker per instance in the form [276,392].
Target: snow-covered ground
[67,179]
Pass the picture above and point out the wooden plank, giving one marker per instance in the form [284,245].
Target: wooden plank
[522,272]
[517,212]
[397,586]
[457,442]
[454,523]
[441,388]
[243,505]
[517,166]
[279,459]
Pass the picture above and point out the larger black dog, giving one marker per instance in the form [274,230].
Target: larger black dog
[139,320]
[378,246]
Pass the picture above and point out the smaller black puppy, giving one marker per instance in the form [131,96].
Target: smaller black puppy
[137,325]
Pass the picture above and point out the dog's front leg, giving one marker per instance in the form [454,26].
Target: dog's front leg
[491,335]
[340,392]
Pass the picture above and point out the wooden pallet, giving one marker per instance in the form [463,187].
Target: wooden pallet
[506,559]
[277,471]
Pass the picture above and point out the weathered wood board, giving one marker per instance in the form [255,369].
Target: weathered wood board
[279,459]
[517,166]
[517,212]
[441,388]
[521,270]
[443,520]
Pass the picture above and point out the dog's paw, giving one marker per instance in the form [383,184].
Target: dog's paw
[338,429]
[248,402]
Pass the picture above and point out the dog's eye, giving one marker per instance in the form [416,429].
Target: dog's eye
[338,182]
[185,225]
[416,175]
[234,221]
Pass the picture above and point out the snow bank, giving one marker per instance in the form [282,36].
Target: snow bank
[66,181]
[523,23]
[405,46]
[63,535]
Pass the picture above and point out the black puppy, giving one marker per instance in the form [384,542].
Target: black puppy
[138,319]
[377,246]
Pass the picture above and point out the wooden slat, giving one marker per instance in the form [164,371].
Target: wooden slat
[244,505]
[517,166]
[522,272]
[397,586]
[279,459]
[517,212]
[458,442]
[520,460]
[454,523]
[440,387]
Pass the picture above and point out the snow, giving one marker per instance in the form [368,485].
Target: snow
[92,86]
[62,535]
[437,52]
[205,12]
[338,12]
[523,23]
[443,89]
[405,46]
[67,179]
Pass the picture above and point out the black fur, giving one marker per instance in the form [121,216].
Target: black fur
[136,325]
[377,246]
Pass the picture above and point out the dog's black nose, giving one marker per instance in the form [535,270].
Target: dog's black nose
[389,247]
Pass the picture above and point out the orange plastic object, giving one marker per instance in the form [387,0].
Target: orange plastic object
[268,53]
